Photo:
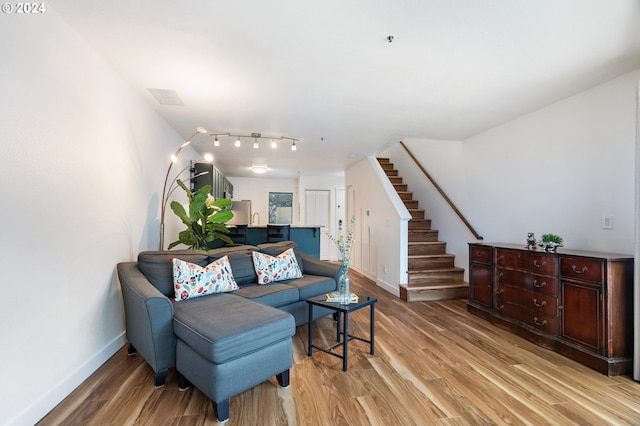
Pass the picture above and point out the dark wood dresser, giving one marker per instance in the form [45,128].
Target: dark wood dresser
[577,303]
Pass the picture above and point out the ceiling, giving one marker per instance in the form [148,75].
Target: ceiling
[326,73]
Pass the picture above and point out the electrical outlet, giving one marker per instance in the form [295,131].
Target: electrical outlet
[607,221]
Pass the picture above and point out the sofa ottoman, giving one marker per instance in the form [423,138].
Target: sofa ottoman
[239,347]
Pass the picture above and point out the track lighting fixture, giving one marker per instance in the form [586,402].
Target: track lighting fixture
[256,139]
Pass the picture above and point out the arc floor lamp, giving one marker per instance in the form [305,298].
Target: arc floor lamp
[167,190]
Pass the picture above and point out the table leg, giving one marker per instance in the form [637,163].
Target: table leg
[310,329]
[345,336]
[372,330]
[338,325]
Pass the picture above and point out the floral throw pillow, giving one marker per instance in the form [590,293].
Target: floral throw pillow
[271,269]
[191,280]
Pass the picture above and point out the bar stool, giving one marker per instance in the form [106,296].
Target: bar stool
[238,234]
[278,233]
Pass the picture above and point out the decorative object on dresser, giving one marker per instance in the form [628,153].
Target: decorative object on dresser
[531,241]
[576,303]
[551,242]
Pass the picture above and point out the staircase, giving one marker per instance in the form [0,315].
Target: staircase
[431,272]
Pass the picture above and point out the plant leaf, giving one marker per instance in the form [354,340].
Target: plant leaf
[178,209]
[186,189]
[187,237]
[222,202]
[198,206]
[221,216]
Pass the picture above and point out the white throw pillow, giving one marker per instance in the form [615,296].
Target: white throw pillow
[191,280]
[271,269]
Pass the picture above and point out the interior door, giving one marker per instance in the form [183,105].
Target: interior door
[318,212]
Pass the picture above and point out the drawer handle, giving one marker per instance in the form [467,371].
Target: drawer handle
[501,257]
[499,307]
[479,254]
[541,324]
[500,291]
[501,274]
[539,265]
[536,303]
[574,268]
[542,284]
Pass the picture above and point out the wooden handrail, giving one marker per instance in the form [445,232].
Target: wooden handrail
[437,187]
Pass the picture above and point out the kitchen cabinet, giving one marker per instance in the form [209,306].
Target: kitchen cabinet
[209,175]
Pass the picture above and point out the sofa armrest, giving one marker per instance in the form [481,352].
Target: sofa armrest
[313,266]
[149,318]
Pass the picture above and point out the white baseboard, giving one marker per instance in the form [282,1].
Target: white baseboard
[393,289]
[52,397]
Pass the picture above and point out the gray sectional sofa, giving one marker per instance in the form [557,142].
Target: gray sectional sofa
[222,343]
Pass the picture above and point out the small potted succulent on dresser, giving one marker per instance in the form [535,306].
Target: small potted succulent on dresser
[551,242]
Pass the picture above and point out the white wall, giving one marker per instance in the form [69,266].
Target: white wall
[380,249]
[557,170]
[83,158]
[560,170]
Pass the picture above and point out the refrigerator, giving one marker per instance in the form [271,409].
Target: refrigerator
[241,212]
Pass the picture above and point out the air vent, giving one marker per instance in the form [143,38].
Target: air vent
[166,97]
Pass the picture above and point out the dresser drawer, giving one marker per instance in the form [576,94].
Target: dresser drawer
[542,284]
[582,269]
[511,277]
[508,258]
[481,254]
[547,305]
[544,323]
[540,263]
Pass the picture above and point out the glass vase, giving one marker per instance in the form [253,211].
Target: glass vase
[344,287]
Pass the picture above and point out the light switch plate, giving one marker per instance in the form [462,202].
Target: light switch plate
[607,222]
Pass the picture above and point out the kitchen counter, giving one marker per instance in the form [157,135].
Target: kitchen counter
[292,226]
[306,237]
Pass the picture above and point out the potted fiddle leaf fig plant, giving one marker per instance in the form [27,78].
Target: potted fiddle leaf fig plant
[205,219]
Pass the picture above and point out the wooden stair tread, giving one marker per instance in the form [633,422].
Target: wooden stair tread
[440,269]
[432,293]
[455,284]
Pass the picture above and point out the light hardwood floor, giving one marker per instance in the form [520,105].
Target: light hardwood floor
[434,364]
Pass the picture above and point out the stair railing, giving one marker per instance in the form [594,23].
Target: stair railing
[446,198]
